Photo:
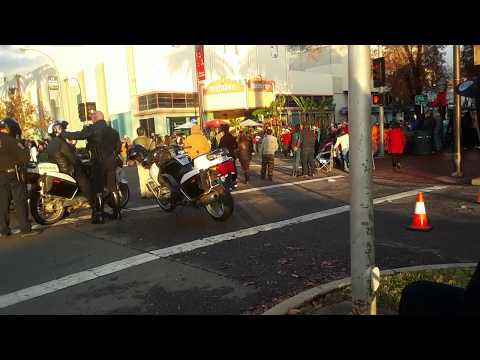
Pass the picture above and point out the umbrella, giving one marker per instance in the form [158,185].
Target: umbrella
[187,125]
[249,123]
[215,123]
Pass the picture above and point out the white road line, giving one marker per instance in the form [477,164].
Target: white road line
[110,268]
[287,184]
[149,207]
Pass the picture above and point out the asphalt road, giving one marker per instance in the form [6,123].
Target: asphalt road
[279,241]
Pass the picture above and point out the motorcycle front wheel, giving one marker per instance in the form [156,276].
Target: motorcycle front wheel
[221,209]
[41,215]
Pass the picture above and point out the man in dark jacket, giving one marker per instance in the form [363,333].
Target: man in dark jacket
[104,145]
[229,142]
[63,154]
[13,156]
[307,138]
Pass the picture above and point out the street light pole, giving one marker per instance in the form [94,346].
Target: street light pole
[361,204]
[381,151]
[56,70]
[458,114]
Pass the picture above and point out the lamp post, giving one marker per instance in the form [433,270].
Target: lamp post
[24,50]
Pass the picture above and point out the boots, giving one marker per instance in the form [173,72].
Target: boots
[98,217]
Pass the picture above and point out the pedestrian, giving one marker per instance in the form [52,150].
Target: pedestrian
[341,148]
[245,149]
[124,151]
[228,142]
[13,159]
[375,138]
[318,140]
[196,144]
[396,144]
[42,152]
[33,152]
[286,142]
[296,143]
[437,132]
[268,147]
[104,145]
[143,174]
[386,136]
[307,148]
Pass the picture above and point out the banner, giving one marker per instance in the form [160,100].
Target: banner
[200,62]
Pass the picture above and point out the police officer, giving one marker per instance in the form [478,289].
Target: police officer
[13,158]
[63,154]
[104,145]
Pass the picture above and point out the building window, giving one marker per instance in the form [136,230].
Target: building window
[167,101]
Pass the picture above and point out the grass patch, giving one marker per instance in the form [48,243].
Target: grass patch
[390,290]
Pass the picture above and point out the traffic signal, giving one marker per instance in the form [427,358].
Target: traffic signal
[85,115]
[377,99]
[91,108]
[81,112]
[378,71]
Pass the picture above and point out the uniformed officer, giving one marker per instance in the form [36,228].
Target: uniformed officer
[104,145]
[13,158]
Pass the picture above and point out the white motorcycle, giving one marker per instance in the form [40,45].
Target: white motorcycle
[175,179]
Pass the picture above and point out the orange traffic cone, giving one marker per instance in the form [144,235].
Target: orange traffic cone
[420,221]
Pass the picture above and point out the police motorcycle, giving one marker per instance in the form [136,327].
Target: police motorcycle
[175,179]
[54,195]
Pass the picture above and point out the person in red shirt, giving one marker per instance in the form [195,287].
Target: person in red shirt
[396,144]
[286,142]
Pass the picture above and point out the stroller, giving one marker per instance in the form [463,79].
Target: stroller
[324,161]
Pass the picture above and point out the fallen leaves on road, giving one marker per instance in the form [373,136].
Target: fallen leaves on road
[295,276]
[249,283]
[267,244]
[294,248]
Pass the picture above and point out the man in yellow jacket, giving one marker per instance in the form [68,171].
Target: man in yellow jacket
[196,144]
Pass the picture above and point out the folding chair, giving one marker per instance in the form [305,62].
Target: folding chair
[324,161]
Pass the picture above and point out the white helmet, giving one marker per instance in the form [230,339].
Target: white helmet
[55,128]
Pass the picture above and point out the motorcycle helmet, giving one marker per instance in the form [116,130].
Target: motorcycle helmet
[55,128]
[137,152]
[11,127]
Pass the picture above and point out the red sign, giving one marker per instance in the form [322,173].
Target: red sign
[200,62]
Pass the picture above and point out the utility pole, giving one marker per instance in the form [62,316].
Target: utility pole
[381,151]
[457,125]
[361,204]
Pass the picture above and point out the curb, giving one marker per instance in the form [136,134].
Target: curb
[308,295]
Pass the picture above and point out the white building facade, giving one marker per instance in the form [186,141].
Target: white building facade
[154,86]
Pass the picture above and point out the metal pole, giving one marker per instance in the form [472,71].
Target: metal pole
[458,114]
[361,213]
[381,151]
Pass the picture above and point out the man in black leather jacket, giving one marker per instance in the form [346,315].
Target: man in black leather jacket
[63,154]
[104,145]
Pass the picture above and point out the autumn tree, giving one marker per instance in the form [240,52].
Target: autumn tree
[468,69]
[412,69]
[18,107]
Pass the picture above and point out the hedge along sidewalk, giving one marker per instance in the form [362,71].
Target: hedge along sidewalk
[308,295]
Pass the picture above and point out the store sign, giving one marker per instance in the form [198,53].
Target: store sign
[200,62]
[53,83]
[225,86]
[261,85]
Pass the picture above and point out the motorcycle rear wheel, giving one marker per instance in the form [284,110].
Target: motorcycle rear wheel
[41,216]
[221,209]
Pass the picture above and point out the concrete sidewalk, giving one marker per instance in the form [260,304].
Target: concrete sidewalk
[435,168]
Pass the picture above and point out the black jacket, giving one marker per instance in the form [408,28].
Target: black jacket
[11,153]
[61,153]
[307,137]
[102,141]
[228,142]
